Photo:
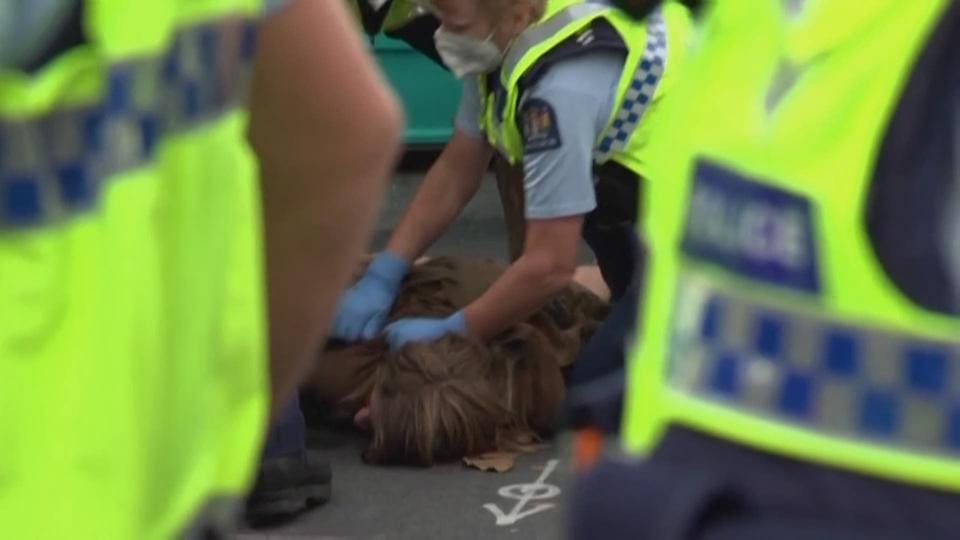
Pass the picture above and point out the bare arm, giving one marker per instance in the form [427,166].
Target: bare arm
[547,266]
[326,131]
[449,184]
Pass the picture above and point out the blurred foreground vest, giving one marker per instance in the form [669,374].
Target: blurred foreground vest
[769,317]
[132,333]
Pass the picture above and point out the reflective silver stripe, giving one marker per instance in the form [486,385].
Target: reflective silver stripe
[862,383]
[640,94]
[53,166]
[794,8]
[539,33]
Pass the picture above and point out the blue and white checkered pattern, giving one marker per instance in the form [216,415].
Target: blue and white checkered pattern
[642,90]
[53,166]
[846,381]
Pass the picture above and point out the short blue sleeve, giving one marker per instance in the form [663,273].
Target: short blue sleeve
[27,28]
[468,115]
[561,118]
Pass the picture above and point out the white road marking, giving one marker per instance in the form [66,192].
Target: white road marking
[523,494]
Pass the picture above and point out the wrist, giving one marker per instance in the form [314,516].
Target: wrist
[457,323]
[389,268]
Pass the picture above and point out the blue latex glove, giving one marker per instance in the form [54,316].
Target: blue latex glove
[363,309]
[406,331]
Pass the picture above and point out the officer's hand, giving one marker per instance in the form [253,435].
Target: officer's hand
[406,331]
[363,309]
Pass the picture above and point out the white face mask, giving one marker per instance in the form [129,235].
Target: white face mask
[467,55]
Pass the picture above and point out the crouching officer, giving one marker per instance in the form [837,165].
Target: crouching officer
[572,92]
[797,366]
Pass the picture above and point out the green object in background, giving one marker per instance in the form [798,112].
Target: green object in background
[430,94]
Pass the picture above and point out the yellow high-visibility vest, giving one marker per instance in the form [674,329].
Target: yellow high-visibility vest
[655,48]
[132,330]
[767,318]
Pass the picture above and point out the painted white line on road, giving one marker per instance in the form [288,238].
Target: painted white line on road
[523,494]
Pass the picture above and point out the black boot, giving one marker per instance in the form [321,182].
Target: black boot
[288,486]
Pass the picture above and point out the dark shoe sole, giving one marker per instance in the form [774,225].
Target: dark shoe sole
[283,505]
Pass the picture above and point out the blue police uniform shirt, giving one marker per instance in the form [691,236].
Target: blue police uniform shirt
[561,117]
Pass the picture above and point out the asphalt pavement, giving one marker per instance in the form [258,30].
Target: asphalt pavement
[443,502]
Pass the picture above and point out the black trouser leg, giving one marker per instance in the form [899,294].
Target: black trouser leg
[615,246]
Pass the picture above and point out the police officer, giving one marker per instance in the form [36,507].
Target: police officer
[797,365]
[133,389]
[570,91]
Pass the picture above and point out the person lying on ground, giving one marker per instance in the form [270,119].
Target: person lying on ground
[432,402]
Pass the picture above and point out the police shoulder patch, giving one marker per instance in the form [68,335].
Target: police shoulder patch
[538,121]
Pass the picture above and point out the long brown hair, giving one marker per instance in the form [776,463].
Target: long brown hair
[435,402]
